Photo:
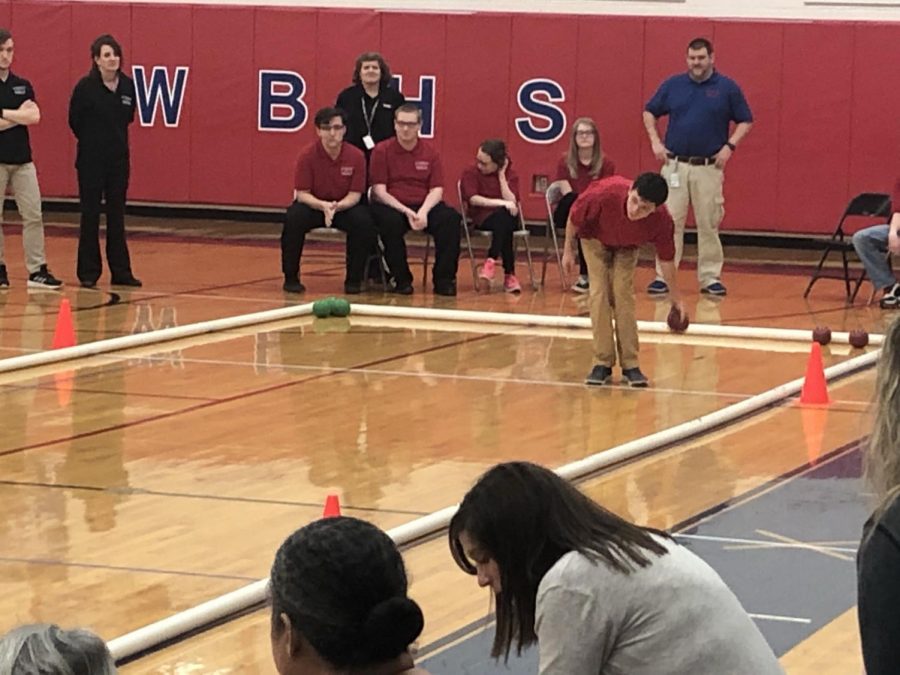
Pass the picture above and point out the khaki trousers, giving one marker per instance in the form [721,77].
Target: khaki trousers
[611,273]
[22,178]
[701,188]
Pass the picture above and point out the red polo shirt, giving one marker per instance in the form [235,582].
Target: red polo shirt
[599,213]
[408,174]
[580,184]
[474,183]
[330,179]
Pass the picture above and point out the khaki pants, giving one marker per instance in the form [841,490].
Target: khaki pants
[22,178]
[611,273]
[701,188]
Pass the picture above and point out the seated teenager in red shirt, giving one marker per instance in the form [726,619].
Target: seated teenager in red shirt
[584,163]
[407,188]
[613,217]
[491,189]
[328,184]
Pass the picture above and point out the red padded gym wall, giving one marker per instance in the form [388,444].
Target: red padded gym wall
[41,32]
[284,39]
[222,86]
[533,39]
[823,94]
[753,56]
[609,85]
[476,90]
[874,120]
[814,127]
[161,165]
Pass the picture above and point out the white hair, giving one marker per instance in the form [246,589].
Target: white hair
[45,649]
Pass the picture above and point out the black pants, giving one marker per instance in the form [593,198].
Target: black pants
[356,222]
[502,223]
[443,224]
[109,182]
[561,217]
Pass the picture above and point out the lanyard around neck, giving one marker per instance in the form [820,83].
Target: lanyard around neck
[368,117]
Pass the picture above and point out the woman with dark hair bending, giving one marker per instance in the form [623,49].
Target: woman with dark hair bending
[597,593]
[491,190]
[339,603]
[879,552]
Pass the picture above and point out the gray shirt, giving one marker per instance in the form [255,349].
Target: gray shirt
[675,617]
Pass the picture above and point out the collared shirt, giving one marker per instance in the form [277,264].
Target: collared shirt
[330,179]
[15,147]
[699,112]
[99,118]
[599,213]
[473,183]
[408,174]
[580,184]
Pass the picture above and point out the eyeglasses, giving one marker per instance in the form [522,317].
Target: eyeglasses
[582,132]
[333,127]
[407,125]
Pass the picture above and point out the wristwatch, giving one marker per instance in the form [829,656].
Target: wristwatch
[731,145]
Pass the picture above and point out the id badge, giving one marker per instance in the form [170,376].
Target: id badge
[674,180]
[368,142]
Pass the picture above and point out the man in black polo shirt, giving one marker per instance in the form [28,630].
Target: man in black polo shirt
[18,111]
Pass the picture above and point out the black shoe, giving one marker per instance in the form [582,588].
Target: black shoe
[88,283]
[352,288]
[635,378]
[4,279]
[43,279]
[890,299]
[403,289]
[599,375]
[132,281]
[447,288]
[293,286]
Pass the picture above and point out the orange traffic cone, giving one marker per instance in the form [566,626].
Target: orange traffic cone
[63,384]
[815,390]
[814,420]
[332,507]
[64,335]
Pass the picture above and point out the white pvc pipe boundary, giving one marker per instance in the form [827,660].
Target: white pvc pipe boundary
[178,332]
[219,608]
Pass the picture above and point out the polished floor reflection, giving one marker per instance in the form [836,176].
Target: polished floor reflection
[138,484]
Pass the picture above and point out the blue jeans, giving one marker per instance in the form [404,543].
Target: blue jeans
[871,246]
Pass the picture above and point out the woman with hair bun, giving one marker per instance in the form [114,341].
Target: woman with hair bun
[339,602]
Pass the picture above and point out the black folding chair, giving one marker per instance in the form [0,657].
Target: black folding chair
[868,205]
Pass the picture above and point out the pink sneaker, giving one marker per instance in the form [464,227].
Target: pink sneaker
[511,284]
[487,270]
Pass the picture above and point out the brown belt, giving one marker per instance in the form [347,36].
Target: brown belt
[694,161]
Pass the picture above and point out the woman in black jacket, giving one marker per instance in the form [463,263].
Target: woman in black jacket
[101,108]
[370,103]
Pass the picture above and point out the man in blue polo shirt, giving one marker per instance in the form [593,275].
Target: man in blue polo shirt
[701,104]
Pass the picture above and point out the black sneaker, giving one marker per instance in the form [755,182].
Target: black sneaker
[352,288]
[447,288]
[43,279]
[635,378]
[890,299]
[715,288]
[403,289]
[599,375]
[293,286]
[132,281]
[4,279]
[88,283]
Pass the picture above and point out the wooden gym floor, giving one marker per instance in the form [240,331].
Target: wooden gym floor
[138,484]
